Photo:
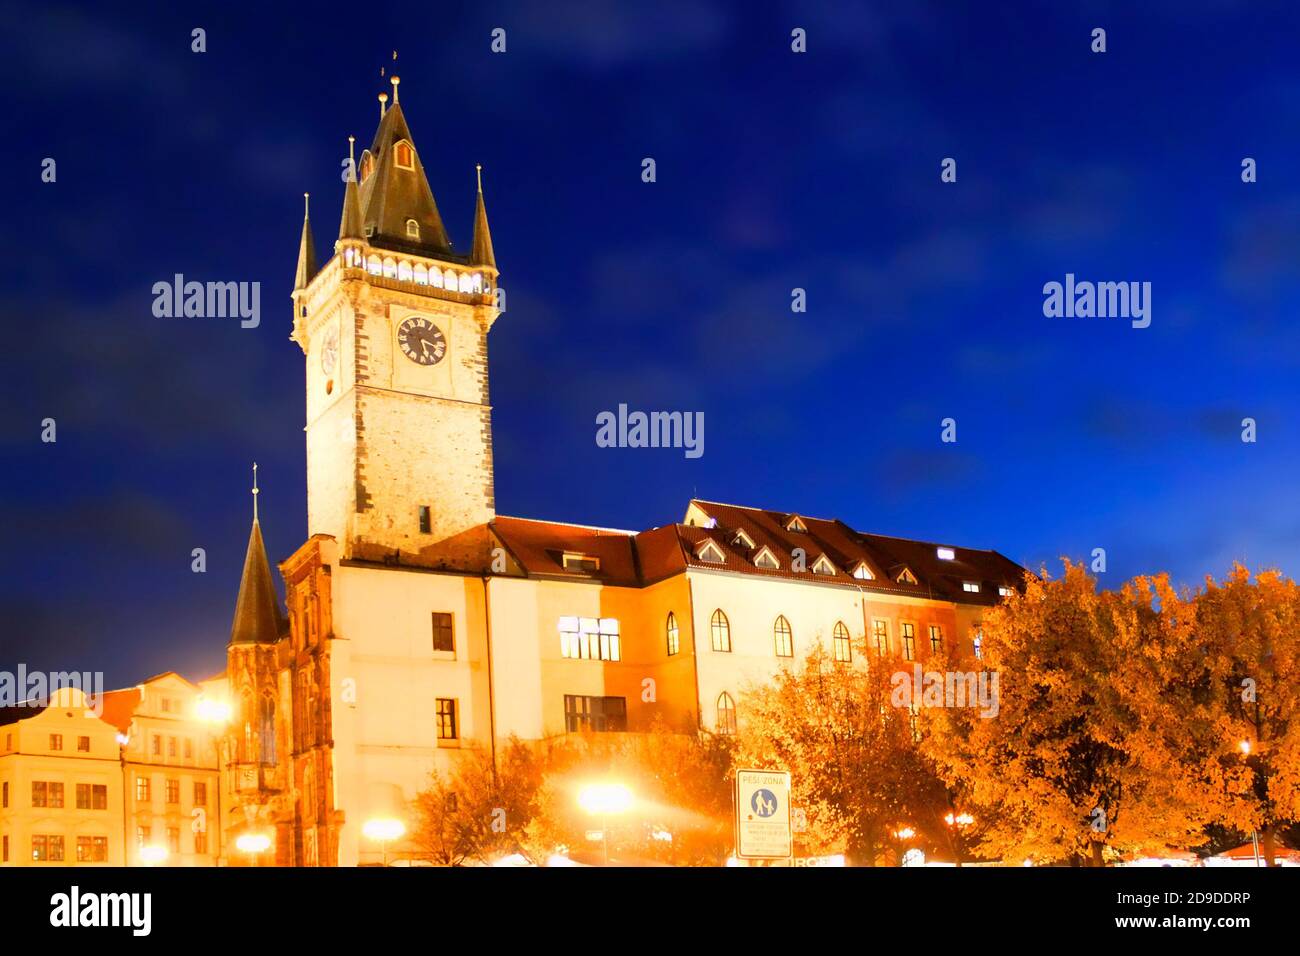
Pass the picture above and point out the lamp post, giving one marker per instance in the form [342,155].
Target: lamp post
[217,714]
[383,830]
[603,800]
[254,844]
[1245,748]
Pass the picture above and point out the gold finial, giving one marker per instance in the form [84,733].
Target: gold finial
[394,79]
[478,168]
[306,205]
[352,163]
[255,491]
[383,98]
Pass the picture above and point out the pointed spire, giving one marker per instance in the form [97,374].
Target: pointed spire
[350,225]
[306,250]
[257,609]
[481,253]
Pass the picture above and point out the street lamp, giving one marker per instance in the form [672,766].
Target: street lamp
[1244,746]
[384,830]
[254,844]
[604,800]
[153,855]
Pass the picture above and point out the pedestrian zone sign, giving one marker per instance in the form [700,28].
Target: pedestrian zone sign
[763,815]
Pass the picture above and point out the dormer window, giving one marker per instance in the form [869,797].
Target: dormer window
[412,229]
[1004,592]
[906,576]
[971,587]
[766,560]
[796,524]
[367,165]
[586,563]
[369,230]
[862,572]
[709,551]
[405,156]
[742,540]
[823,566]
[946,554]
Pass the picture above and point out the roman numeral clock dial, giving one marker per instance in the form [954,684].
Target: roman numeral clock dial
[421,341]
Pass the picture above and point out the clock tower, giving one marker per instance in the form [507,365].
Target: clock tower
[394,328]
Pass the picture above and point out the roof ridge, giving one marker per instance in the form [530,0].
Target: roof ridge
[571,524]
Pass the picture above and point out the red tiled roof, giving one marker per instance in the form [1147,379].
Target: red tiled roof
[119,707]
[634,560]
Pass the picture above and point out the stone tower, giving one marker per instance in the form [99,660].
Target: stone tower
[394,328]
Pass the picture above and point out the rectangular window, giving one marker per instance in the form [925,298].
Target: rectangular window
[909,641]
[157,745]
[142,789]
[946,554]
[56,743]
[56,795]
[971,586]
[173,840]
[6,794]
[173,790]
[83,745]
[581,562]
[1004,592]
[200,842]
[83,796]
[880,631]
[92,849]
[189,748]
[40,793]
[425,523]
[142,835]
[599,714]
[447,729]
[589,638]
[200,794]
[936,638]
[171,746]
[443,639]
[99,797]
[6,849]
[47,848]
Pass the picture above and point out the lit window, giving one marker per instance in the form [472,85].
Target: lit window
[936,638]
[766,559]
[946,554]
[419,274]
[435,278]
[674,635]
[367,165]
[709,551]
[173,794]
[171,746]
[977,643]
[466,283]
[373,265]
[880,631]
[425,520]
[1004,592]
[906,576]
[405,156]
[862,572]
[742,540]
[56,741]
[412,229]
[823,566]
[390,268]
[720,631]
[404,268]
[726,714]
[449,279]
[142,789]
[795,524]
[784,639]
[589,638]
[443,639]
[447,719]
[909,641]
[843,647]
[971,587]
[580,562]
[476,282]
[173,840]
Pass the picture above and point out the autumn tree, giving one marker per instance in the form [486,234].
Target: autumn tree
[478,812]
[1098,742]
[855,770]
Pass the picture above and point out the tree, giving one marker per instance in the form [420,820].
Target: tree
[854,767]
[1098,743]
[475,812]
[1250,631]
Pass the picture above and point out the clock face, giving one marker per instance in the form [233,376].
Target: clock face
[422,341]
[329,352]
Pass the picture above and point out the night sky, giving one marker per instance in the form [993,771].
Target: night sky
[775,171]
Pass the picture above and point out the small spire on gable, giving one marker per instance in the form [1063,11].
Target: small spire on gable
[481,253]
[306,250]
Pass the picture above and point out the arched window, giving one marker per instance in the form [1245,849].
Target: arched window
[674,637]
[843,647]
[466,282]
[412,229]
[476,282]
[435,277]
[420,274]
[309,794]
[784,639]
[449,279]
[266,729]
[720,631]
[404,268]
[247,740]
[367,165]
[390,269]
[405,155]
[374,266]
[726,714]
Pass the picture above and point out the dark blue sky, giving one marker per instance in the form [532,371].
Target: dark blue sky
[775,170]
